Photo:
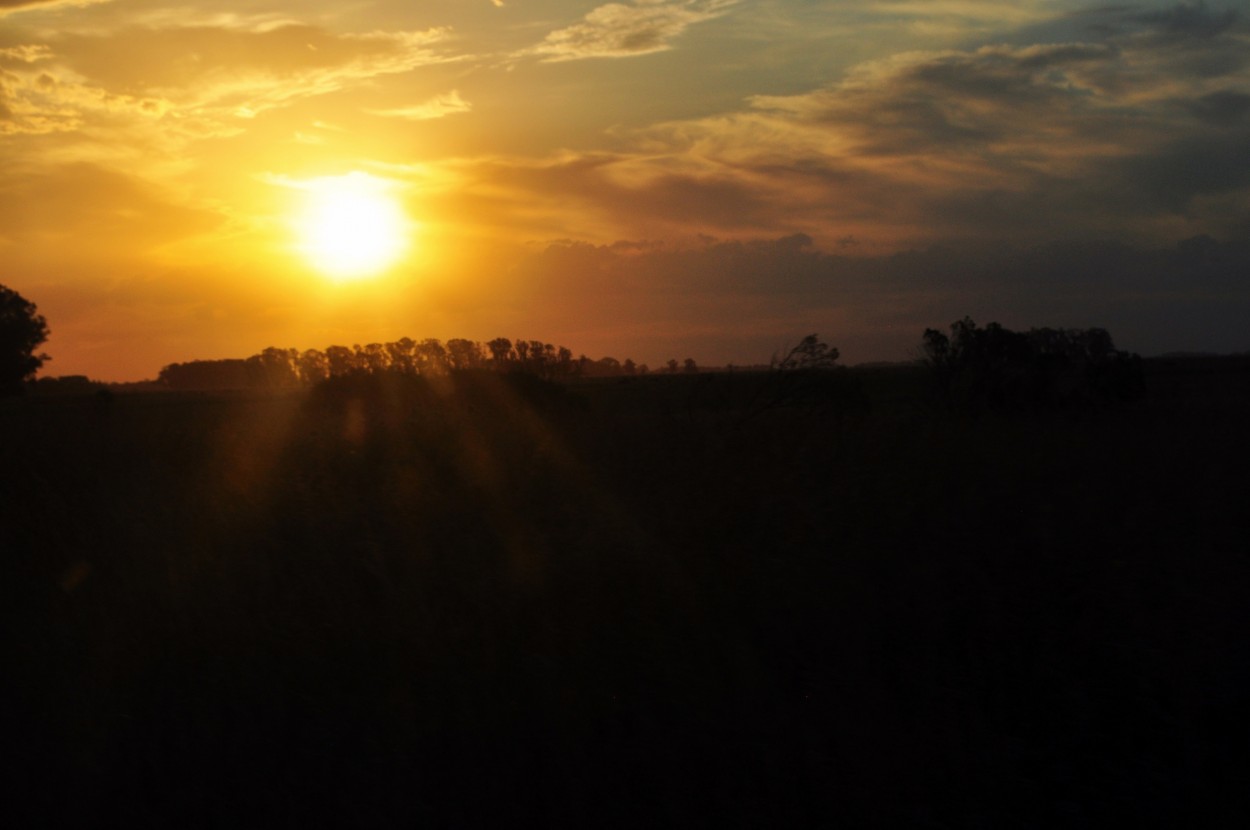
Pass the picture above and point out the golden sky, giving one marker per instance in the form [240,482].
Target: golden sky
[646,179]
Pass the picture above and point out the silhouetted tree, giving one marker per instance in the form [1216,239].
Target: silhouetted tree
[431,357]
[340,359]
[313,366]
[672,365]
[463,354]
[22,330]
[374,357]
[810,353]
[995,368]
[402,355]
[564,362]
[807,376]
[276,367]
[690,367]
[979,368]
[500,351]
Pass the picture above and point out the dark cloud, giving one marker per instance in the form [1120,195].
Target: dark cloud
[1187,40]
[957,98]
[1036,73]
[1124,138]
[1175,175]
[1190,20]
[1226,108]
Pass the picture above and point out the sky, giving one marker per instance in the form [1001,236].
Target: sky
[649,178]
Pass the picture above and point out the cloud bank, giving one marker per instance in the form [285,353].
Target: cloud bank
[1136,132]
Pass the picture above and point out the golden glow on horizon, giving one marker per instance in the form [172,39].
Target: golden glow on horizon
[351,227]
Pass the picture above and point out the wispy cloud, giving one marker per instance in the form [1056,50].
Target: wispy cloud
[449,103]
[618,30]
[203,77]
[25,53]
[8,7]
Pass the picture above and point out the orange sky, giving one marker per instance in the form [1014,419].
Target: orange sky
[653,179]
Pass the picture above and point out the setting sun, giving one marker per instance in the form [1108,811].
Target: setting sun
[351,226]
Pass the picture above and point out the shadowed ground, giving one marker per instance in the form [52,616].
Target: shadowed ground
[670,600]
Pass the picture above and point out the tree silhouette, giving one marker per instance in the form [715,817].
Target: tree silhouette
[995,368]
[22,330]
[500,351]
[807,376]
[278,368]
[810,353]
[463,354]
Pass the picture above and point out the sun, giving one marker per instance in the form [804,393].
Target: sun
[351,227]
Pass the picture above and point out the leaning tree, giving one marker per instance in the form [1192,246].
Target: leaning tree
[22,330]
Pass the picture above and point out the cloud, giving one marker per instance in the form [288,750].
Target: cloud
[1223,108]
[37,103]
[449,103]
[25,53]
[203,78]
[1124,135]
[618,30]
[1131,134]
[1189,20]
[8,7]
[208,64]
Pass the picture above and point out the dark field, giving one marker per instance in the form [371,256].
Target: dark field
[645,601]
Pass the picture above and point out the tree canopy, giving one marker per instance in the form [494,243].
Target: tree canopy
[22,330]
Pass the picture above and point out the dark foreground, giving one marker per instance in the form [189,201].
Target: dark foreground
[640,602]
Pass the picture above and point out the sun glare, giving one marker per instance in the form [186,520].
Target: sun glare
[351,226]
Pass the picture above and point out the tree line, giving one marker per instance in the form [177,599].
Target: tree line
[972,368]
[995,368]
[278,368]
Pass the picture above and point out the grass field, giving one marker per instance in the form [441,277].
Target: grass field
[639,601]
